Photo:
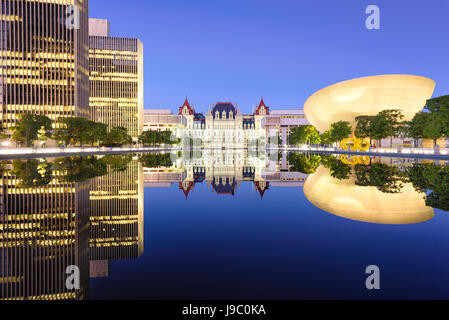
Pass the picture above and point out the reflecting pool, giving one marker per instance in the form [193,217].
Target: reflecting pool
[223,224]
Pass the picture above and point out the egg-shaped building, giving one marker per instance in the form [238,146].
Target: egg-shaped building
[368,96]
[361,203]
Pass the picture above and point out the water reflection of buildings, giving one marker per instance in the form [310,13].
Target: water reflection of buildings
[116,217]
[43,230]
[365,203]
[224,171]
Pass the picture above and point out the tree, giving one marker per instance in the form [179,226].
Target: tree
[97,133]
[3,134]
[154,160]
[438,104]
[433,181]
[386,124]
[304,164]
[28,127]
[152,138]
[385,178]
[117,136]
[340,130]
[338,169]
[325,138]
[304,134]
[434,128]
[32,173]
[80,169]
[73,130]
[118,163]
[363,127]
[415,127]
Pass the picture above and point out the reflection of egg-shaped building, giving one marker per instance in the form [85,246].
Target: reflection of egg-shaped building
[345,199]
[368,96]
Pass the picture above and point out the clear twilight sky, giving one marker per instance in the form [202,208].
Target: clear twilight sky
[240,50]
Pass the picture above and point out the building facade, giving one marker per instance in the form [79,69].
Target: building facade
[116,214]
[163,120]
[224,126]
[43,59]
[116,79]
[44,229]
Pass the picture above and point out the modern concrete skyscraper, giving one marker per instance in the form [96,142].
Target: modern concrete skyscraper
[43,59]
[116,79]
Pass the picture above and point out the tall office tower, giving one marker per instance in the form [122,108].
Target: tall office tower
[43,59]
[116,79]
[116,214]
[44,231]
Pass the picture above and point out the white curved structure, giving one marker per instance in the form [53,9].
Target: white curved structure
[344,199]
[368,96]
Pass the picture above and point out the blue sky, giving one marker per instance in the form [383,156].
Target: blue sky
[237,50]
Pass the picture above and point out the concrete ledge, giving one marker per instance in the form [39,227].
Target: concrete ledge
[378,153]
[27,153]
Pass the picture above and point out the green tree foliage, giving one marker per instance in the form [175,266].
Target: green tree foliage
[326,139]
[304,135]
[118,163]
[338,169]
[3,134]
[434,127]
[340,130]
[77,130]
[363,127]
[28,126]
[386,179]
[117,136]
[439,104]
[32,173]
[80,169]
[152,138]
[155,160]
[433,180]
[304,163]
[387,123]
[415,127]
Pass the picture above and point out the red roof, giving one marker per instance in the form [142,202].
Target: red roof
[186,191]
[262,192]
[262,104]
[186,104]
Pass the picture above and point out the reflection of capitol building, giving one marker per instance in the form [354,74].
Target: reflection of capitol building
[224,126]
[224,171]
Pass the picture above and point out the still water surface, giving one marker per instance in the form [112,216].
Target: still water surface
[225,225]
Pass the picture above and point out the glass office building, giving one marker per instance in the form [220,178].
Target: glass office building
[116,82]
[43,59]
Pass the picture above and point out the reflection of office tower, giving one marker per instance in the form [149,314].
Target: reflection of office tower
[43,230]
[116,201]
[116,79]
[43,59]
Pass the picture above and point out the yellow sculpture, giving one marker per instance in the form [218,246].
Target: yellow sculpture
[354,160]
[368,96]
[355,144]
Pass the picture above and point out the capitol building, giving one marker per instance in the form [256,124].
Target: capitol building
[224,126]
